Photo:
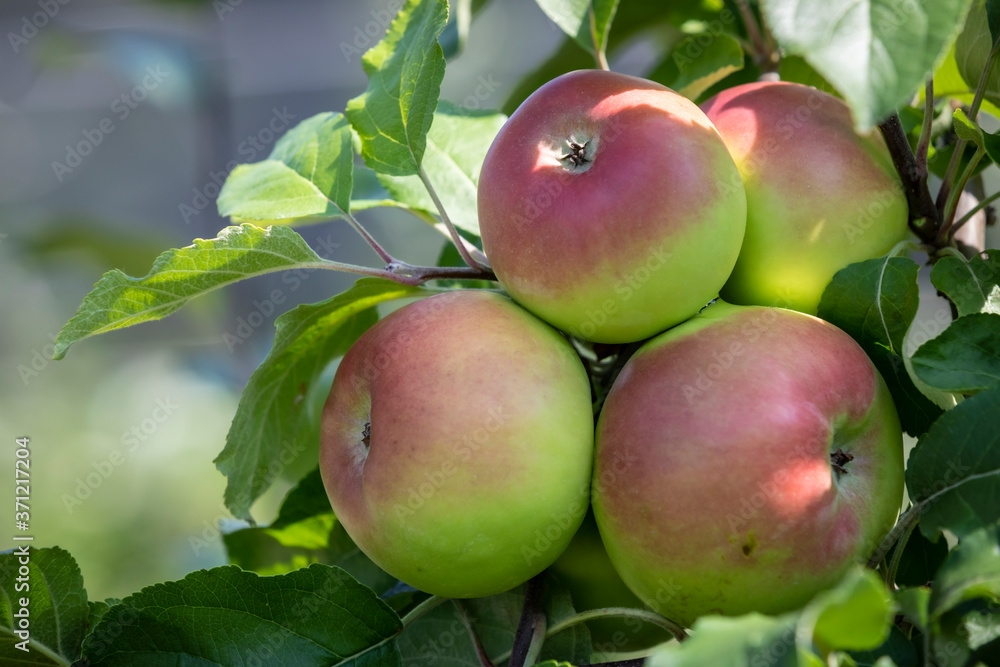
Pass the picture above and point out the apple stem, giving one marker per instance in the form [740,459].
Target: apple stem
[947,183]
[369,239]
[951,205]
[484,658]
[641,614]
[924,216]
[531,628]
[972,212]
[897,556]
[599,56]
[905,524]
[456,238]
[433,602]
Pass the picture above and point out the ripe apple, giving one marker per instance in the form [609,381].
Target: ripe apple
[594,584]
[610,207]
[457,437]
[819,195]
[744,461]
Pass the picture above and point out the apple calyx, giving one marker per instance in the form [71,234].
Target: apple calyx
[839,459]
[366,436]
[576,153]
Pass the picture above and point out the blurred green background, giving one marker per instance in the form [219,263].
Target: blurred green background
[204,84]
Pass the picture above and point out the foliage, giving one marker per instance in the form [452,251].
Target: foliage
[323,602]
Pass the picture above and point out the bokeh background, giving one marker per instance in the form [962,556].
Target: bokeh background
[185,88]
[166,95]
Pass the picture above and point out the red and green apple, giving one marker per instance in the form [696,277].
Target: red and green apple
[610,207]
[457,444]
[744,461]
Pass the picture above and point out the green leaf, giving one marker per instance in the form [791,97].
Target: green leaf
[305,532]
[972,285]
[876,53]
[698,62]
[966,129]
[965,357]
[118,301]
[897,648]
[456,147]
[920,561]
[98,608]
[969,131]
[734,642]
[913,604]
[855,615]
[993,18]
[309,173]
[948,82]
[973,47]
[271,423]
[875,301]
[795,68]
[225,616]
[440,637]
[405,70]
[588,22]
[953,474]
[631,19]
[972,570]
[57,609]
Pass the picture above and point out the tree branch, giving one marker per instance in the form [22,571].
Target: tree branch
[406,274]
[531,628]
[923,213]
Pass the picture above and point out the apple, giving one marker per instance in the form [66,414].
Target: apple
[456,444]
[610,207]
[744,461]
[594,583]
[819,195]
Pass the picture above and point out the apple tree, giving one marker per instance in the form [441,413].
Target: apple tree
[868,171]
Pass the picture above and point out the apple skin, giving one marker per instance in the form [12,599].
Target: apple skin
[819,195]
[594,584]
[480,441]
[713,486]
[636,238]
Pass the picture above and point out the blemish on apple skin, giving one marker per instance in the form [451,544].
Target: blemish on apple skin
[749,546]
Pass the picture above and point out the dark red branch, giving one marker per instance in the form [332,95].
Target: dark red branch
[924,217]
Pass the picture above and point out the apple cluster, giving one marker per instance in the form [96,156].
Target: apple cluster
[745,456]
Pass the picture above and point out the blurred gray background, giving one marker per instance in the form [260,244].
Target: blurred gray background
[162,96]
